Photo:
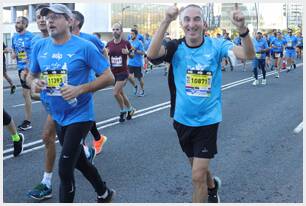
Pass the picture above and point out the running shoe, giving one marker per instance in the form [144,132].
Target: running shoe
[122,116]
[256,82]
[26,125]
[135,90]
[13,89]
[18,146]
[40,192]
[294,66]
[276,75]
[130,113]
[142,93]
[98,145]
[263,81]
[213,196]
[92,155]
[109,198]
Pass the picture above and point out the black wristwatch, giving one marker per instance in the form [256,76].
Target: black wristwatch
[245,33]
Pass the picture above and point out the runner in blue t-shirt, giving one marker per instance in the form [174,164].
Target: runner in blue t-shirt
[66,92]
[135,64]
[21,45]
[291,42]
[261,49]
[299,46]
[195,88]
[99,140]
[278,45]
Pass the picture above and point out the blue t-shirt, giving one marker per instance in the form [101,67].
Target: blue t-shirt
[147,43]
[299,41]
[291,41]
[192,109]
[271,39]
[92,38]
[21,44]
[279,43]
[137,60]
[139,37]
[258,46]
[77,61]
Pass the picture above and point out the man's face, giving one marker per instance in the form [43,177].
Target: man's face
[258,35]
[75,22]
[279,35]
[290,32]
[133,35]
[41,22]
[117,31]
[57,24]
[192,23]
[19,25]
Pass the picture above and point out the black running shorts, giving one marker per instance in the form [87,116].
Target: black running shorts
[136,71]
[23,82]
[122,76]
[198,142]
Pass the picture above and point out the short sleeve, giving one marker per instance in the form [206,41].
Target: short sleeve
[95,59]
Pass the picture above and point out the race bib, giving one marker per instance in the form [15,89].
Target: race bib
[277,55]
[22,56]
[258,55]
[116,61]
[198,83]
[54,80]
[289,44]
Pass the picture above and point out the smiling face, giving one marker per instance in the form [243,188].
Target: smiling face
[58,24]
[193,25]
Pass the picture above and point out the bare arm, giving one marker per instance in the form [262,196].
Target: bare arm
[156,49]
[104,80]
[246,50]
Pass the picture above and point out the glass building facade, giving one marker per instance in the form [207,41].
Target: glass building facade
[147,17]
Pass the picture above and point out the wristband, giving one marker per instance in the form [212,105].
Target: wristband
[245,33]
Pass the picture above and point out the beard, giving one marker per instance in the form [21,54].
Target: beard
[19,29]
[116,36]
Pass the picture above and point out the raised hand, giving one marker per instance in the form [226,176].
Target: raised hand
[125,50]
[172,13]
[238,18]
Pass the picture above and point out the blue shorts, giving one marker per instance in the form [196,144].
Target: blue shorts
[290,53]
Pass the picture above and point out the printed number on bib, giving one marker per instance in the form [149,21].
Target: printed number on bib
[277,55]
[54,80]
[289,44]
[22,56]
[116,61]
[198,83]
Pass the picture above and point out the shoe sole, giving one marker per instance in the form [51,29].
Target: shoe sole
[42,198]
[218,180]
[24,129]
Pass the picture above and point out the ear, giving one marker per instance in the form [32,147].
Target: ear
[70,22]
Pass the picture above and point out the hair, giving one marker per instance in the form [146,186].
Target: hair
[120,26]
[40,6]
[24,20]
[80,17]
[134,31]
[97,34]
[192,5]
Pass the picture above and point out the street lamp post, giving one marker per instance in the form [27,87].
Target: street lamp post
[122,10]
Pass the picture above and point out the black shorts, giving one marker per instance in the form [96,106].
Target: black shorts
[136,71]
[198,142]
[281,55]
[300,47]
[122,76]
[22,82]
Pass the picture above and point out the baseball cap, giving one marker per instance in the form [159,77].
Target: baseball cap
[56,8]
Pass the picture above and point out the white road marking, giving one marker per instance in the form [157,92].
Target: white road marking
[299,128]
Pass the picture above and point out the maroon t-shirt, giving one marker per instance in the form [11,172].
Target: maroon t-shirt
[118,61]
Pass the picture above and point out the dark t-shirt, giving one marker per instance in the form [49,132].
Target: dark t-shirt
[118,61]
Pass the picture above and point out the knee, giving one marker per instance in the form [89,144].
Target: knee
[49,139]
[199,176]
[116,93]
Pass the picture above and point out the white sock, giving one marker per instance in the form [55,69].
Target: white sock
[47,179]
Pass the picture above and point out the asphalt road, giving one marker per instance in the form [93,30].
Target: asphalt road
[259,157]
